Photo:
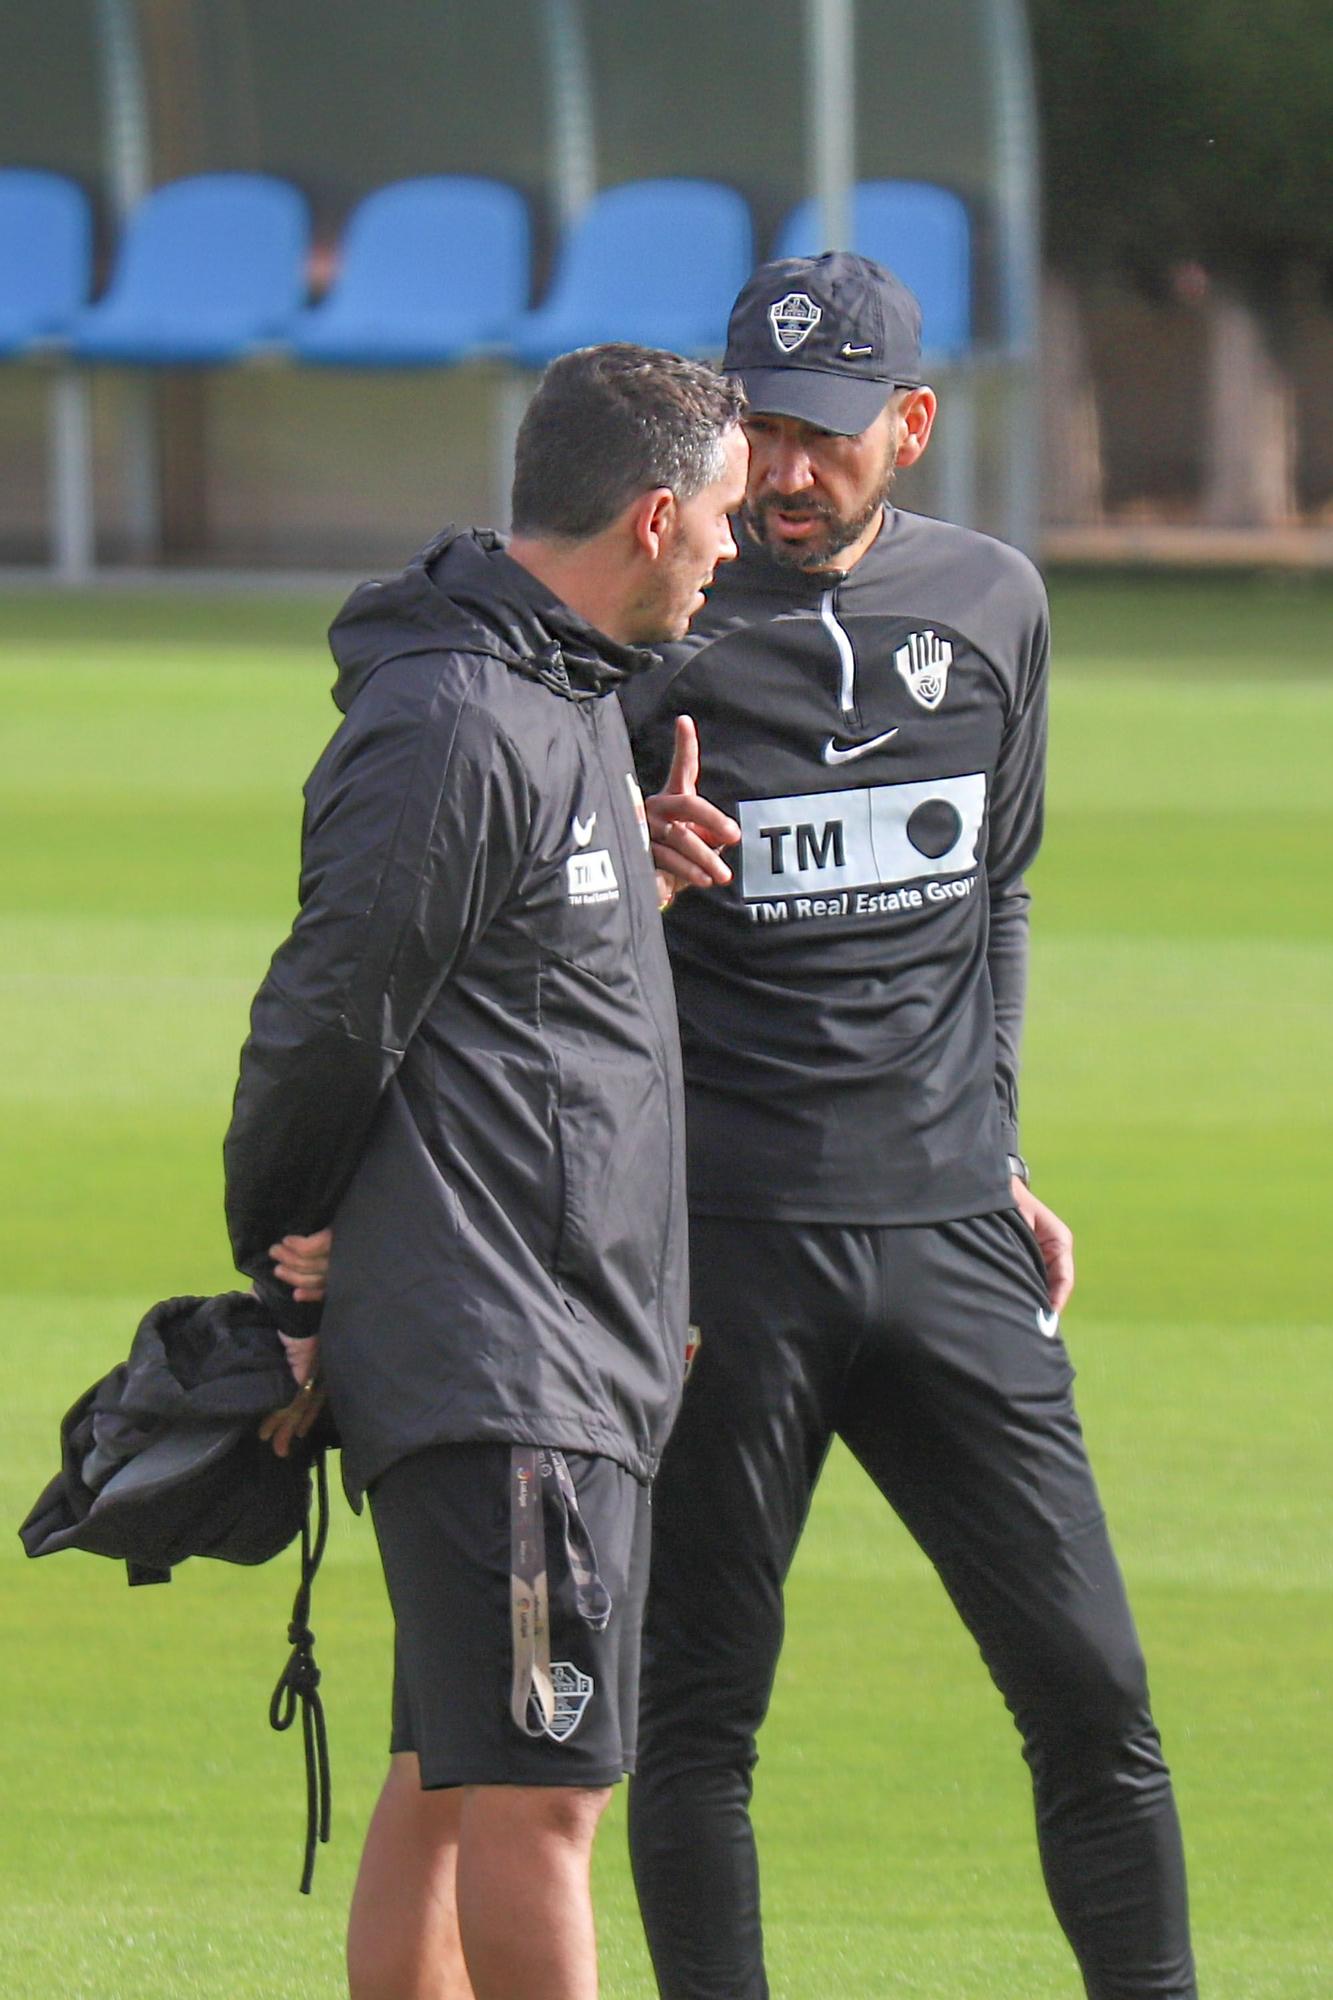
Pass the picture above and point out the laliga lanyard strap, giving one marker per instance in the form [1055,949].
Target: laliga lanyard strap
[529,1601]
[535,1476]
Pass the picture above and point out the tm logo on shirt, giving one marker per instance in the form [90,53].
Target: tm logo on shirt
[845,849]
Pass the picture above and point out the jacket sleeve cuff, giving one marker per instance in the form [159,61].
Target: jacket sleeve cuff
[299,1319]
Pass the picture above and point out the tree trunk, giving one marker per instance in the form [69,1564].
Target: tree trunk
[1072,474]
[1250,464]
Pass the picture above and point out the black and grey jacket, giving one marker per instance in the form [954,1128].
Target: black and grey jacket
[851,1003]
[465,1055]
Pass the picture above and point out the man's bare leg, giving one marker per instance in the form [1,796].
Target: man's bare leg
[402,1933]
[524,1894]
[503,1867]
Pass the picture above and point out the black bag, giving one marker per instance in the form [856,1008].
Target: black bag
[161,1460]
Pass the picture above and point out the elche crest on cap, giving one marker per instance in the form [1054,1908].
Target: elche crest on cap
[793,319]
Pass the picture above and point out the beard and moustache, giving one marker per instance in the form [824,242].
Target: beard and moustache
[839,530]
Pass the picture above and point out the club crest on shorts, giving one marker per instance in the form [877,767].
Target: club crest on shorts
[693,1342]
[924,661]
[793,319]
[573,1692]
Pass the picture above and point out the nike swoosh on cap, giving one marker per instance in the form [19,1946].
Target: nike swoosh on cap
[845,753]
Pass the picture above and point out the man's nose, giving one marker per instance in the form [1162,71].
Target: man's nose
[790,470]
[727,551]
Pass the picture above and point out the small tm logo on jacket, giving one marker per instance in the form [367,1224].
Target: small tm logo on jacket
[591,878]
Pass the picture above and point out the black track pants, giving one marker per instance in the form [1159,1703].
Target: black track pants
[929,1351]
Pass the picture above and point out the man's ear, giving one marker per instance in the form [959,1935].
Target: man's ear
[651,519]
[916,417]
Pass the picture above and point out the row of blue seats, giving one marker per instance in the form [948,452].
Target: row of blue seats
[430,271]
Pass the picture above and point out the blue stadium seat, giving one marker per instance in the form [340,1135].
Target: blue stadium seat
[922,233]
[208,268]
[652,261]
[45,256]
[432,269]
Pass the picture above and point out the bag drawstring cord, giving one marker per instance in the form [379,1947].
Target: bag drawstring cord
[298,1682]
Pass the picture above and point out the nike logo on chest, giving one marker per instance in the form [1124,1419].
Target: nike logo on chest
[847,753]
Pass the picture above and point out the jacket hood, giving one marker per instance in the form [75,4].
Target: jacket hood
[464,593]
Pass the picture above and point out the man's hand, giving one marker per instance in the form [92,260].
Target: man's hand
[303,1263]
[686,831]
[1055,1240]
[282,1427]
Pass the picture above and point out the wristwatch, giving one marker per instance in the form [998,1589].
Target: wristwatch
[1018,1167]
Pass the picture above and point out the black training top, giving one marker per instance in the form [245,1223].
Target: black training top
[851,1003]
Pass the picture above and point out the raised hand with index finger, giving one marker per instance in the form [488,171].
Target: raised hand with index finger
[686,831]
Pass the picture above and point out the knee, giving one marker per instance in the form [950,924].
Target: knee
[569,1814]
[1085,1683]
[1089,1711]
[703,1696]
[563,1816]
[1106,1683]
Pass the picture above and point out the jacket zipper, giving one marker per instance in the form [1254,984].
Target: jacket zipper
[621,812]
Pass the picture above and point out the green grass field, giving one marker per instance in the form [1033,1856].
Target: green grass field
[1178,1082]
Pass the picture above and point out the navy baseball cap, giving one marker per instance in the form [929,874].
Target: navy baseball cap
[825,339]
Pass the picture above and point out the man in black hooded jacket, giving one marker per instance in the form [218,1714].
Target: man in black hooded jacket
[464,1058]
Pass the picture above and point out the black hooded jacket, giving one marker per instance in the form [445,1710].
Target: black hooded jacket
[465,1055]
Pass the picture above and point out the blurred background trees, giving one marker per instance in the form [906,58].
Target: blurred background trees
[1188,164]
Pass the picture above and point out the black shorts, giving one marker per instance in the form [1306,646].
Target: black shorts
[443,1521]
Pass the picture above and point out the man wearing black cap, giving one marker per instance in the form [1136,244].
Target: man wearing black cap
[869,693]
